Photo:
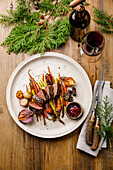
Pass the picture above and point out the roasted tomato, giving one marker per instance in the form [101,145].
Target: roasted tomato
[19,94]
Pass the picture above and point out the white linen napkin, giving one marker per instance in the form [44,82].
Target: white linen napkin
[81,144]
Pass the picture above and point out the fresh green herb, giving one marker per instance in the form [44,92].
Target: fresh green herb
[19,16]
[85,3]
[32,35]
[33,38]
[105,113]
[104,20]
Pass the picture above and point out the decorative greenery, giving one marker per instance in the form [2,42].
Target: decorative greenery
[36,39]
[104,20]
[86,3]
[105,113]
[30,33]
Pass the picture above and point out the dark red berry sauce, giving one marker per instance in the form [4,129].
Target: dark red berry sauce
[73,109]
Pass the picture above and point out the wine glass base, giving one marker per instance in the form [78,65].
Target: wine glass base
[90,59]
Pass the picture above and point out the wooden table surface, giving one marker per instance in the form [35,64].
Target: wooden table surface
[22,151]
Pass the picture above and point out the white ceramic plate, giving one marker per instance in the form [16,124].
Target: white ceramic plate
[57,63]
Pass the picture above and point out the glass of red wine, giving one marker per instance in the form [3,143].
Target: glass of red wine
[92,46]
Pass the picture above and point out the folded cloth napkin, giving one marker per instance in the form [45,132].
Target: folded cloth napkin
[81,144]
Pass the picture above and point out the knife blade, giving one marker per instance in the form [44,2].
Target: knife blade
[90,140]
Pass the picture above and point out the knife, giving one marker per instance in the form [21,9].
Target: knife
[96,137]
[90,138]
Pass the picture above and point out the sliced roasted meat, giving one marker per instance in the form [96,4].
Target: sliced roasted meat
[51,91]
[34,106]
[38,100]
[55,86]
[42,94]
[47,90]
[46,95]
[57,89]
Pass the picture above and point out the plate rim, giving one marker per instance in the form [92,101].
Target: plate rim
[24,62]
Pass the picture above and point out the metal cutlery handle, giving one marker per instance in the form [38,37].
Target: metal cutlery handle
[96,137]
[89,129]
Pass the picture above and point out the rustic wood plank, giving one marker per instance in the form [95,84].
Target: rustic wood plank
[10,134]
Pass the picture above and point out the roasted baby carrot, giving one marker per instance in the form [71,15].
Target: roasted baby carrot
[36,86]
[58,104]
[51,74]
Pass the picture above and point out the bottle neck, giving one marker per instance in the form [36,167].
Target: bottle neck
[80,12]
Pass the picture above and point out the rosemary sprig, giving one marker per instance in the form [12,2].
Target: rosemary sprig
[104,20]
[105,113]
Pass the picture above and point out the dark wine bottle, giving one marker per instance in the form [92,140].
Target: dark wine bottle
[79,20]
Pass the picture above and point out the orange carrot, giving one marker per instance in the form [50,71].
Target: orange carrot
[36,86]
[66,102]
[48,108]
[45,114]
[43,77]
[51,74]
[58,104]
[65,89]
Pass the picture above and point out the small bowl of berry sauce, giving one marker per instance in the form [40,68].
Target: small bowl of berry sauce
[74,110]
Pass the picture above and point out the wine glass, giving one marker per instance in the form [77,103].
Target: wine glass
[92,46]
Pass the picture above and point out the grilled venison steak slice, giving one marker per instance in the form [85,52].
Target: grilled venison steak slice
[33,105]
[38,100]
[55,86]
[57,89]
[51,91]
[47,91]
[42,94]
[46,95]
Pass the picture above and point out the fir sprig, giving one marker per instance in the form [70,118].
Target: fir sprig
[85,3]
[33,38]
[105,113]
[30,36]
[46,5]
[104,20]
[18,16]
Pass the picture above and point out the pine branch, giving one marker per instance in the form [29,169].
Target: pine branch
[32,36]
[85,3]
[35,38]
[105,114]
[18,16]
[104,20]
